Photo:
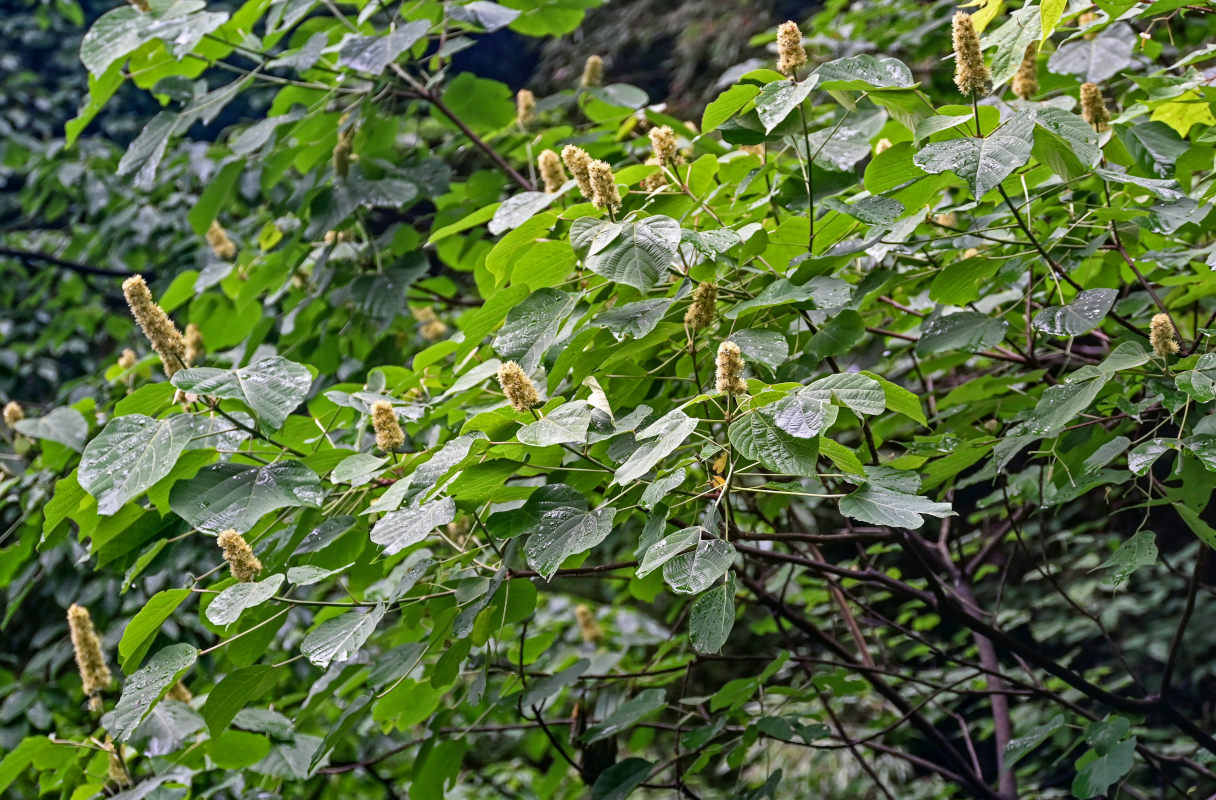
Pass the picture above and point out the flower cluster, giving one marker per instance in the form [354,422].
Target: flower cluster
[551,172]
[95,675]
[162,334]
[243,564]
[517,386]
[971,74]
[730,369]
[389,435]
[790,53]
[1161,336]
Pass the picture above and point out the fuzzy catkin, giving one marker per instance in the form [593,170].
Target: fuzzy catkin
[95,675]
[128,358]
[663,144]
[551,172]
[882,146]
[701,313]
[194,344]
[578,162]
[180,693]
[116,771]
[517,386]
[243,564]
[593,72]
[389,435]
[1161,336]
[434,330]
[971,74]
[525,107]
[162,334]
[730,369]
[13,413]
[1093,106]
[604,193]
[342,152]
[1026,80]
[790,53]
[221,244]
[587,624]
[655,180]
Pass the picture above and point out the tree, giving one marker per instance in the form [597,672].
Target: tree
[378,432]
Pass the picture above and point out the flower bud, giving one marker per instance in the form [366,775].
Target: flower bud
[882,145]
[434,330]
[551,172]
[342,152]
[1161,336]
[525,107]
[655,180]
[579,164]
[243,564]
[970,73]
[162,334]
[730,369]
[701,313]
[587,625]
[389,435]
[663,143]
[790,53]
[116,771]
[1026,80]
[179,692]
[593,72]
[517,386]
[95,676]
[221,245]
[13,413]
[604,193]
[128,359]
[194,344]
[1093,106]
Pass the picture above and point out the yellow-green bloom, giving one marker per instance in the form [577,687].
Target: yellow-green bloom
[389,435]
[162,334]
[95,675]
[243,564]
[517,386]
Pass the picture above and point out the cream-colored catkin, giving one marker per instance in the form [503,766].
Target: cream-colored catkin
[587,625]
[128,358]
[882,145]
[162,334]
[180,693]
[730,369]
[701,313]
[604,193]
[389,435]
[655,180]
[593,72]
[242,563]
[790,53]
[13,413]
[1025,83]
[116,771]
[551,172]
[95,675]
[971,74]
[756,150]
[1161,336]
[424,314]
[1093,106]
[343,151]
[1084,21]
[434,330]
[525,107]
[194,344]
[517,386]
[578,162]
[221,243]
[663,144]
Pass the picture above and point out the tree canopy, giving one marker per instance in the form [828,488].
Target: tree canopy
[377,429]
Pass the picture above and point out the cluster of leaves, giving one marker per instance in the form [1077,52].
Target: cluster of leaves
[950,541]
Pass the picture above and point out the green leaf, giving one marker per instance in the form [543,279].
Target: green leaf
[65,425]
[900,400]
[618,781]
[518,209]
[1138,551]
[878,505]
[668,548]
[757,436]
[373,54]
[130,455]
[1083,314]
[568,423]
[398,530]
[339,730]
[228,605]
[982,163]
[563,527]
[726,105]
[532,326]
[1095,778]
[141,691]
[233,692]
[141,631]
[657,441]
[1204,531]
[864,72]
[712,617]
[694,572]
[633,319]
[627,715]
[1050,12]
[657,491]
[339,638]
[801,415]
[1094,60]
[966,330]
[777,99]
[180,24]
[233,496]
[272,387]
[1061,403]
[636,254]
[1024,744]
[1011,40]
[859,392]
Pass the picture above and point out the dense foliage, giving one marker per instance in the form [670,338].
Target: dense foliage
[854,439]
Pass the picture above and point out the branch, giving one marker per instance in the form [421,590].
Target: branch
[30,257]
